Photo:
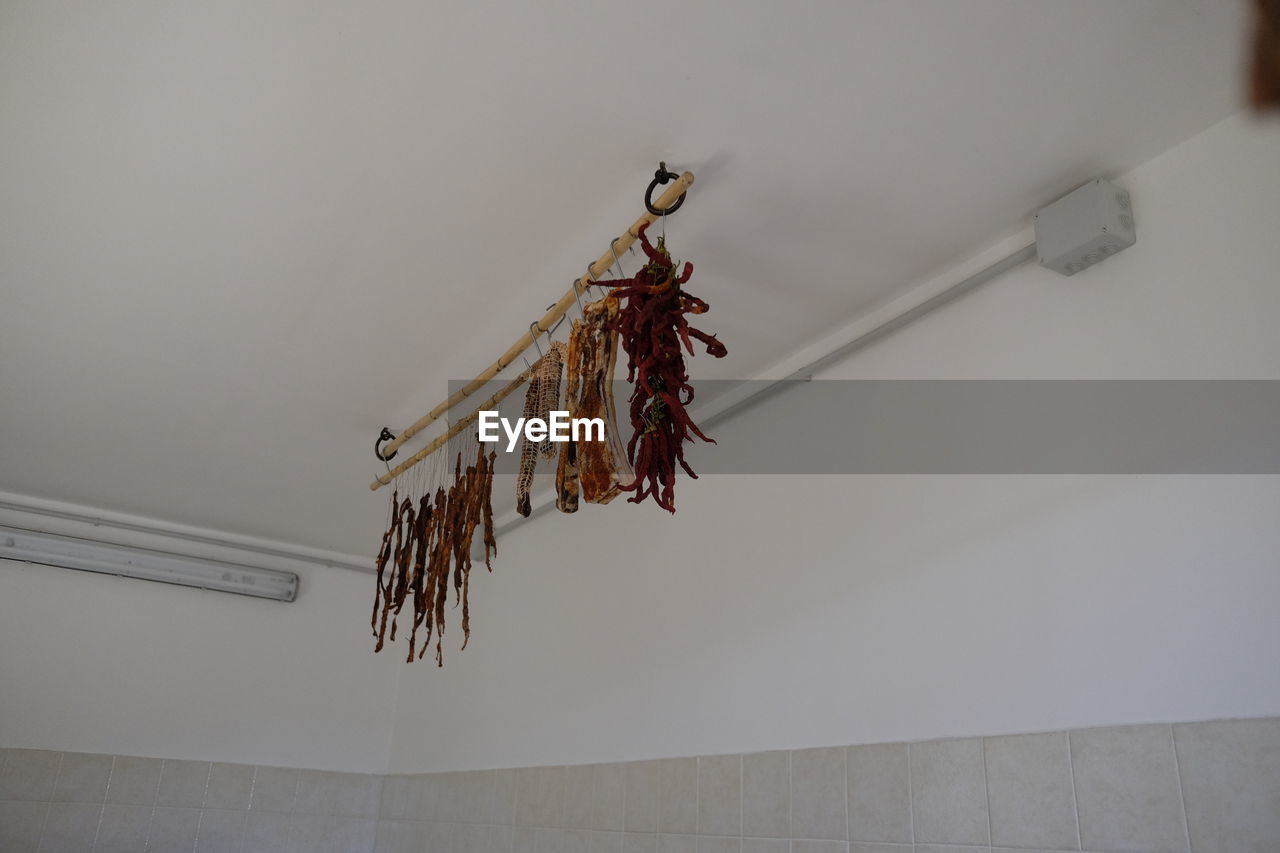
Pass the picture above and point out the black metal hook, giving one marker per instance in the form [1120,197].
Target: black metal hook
[385,435]
[662,176]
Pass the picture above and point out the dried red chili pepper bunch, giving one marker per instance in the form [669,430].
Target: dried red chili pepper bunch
[655,332]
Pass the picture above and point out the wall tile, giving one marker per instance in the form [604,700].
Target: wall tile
[549,840]
[20,825]
[400,798]
[818,798]
[1231,784]
[230,786]
[274,789]
[540,796]
[182,783]
[307,832]
[679,806]
[434,796]
[819,847]
[460,797]
[220,831]
[766,845]
[720,795]
[643,795]
[500,838]
[1029,791]
[1127,779]
[574,841]
[578,783]
[485,808]
[333,834]
[347,835]
[270,832]
[29,774]
[594,796]
[766,794]
[879,793]
[524,839]
[173,830]
[476,789]
[134,781]
[949,792]
[123,829]
[677,844]
[639,842]
[82,778]
[1127,789]
[70,828]
[347,794]
[393,836]
[502,800]
[602,841]
[481,838]
[442,836]
[607,797]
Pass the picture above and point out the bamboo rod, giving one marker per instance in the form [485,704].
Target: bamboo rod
[597,269]
[441,441]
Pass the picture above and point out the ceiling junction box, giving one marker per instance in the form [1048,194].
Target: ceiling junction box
[1085,226]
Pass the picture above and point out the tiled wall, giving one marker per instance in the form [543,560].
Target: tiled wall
[1192,788]
[68,802]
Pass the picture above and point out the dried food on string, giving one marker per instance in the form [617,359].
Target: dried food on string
[655,332]
[542,397]
[427,549]
[600,466]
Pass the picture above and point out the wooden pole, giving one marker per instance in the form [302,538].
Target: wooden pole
[596,270]
[441,441]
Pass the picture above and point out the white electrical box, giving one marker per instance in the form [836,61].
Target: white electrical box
[1087,225]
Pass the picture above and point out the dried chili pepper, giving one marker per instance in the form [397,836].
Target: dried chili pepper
[655,332]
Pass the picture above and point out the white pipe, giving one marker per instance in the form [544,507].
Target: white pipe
[59,517]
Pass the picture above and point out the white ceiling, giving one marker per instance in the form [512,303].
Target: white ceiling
[237,238]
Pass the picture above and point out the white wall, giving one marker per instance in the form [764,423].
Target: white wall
[92,663]
[777,612]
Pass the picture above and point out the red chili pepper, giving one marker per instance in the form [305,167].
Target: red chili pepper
[655,334]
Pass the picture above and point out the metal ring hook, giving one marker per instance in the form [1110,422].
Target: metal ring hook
[385,435]
[662,176]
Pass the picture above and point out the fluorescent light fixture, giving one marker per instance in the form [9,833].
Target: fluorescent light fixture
[67,552]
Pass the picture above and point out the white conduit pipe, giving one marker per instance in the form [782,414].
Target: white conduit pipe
[58,517]
[862,332]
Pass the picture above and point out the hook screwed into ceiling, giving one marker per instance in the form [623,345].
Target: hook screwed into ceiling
[385,435]
[662,176]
